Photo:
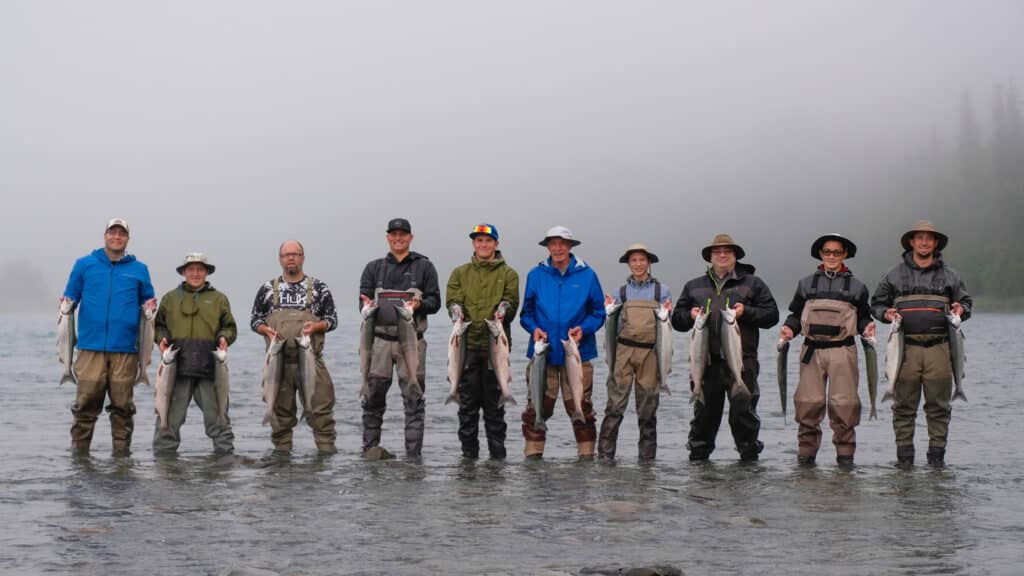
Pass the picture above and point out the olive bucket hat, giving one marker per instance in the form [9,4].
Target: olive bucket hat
[924,226]
[722,240]
[195,258]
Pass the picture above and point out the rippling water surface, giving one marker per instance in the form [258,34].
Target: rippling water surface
[196,514]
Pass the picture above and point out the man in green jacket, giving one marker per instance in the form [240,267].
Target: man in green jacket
[484,288]
[196,319]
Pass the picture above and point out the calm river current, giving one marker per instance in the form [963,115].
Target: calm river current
[340,515]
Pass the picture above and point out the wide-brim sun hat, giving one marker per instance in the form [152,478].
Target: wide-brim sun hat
[559,232]
[196,258]
[924,226]
[722,240]
[651,256]
[851,248]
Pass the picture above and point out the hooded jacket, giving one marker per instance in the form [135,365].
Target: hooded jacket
[555,303]
[759,308]
[189,314]
[478,287]
[907,278]
[414,270]
[831,288]
[110,297]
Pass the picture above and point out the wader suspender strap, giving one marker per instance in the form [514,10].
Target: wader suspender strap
[309,293]
[938,281]
[657,291]
[813,292]
[382,270]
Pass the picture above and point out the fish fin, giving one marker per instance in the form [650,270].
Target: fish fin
[873,415]
[452,398]
[960,394]
[68,378]
[507,400]
[577,416]
[887,396]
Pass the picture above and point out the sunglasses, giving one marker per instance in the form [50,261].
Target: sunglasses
[833,252]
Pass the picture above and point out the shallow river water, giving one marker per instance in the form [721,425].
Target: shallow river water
[196,514]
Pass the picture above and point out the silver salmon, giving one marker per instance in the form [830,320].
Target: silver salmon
[410,347]
[307,376]
[957,356]
[893,356]
[781,373]
[165,377]
[611,335]
[663,348]
[456,357]
[732,352]
[221,384]
[700,343]
[272,365]
[145,344]
[366,336]
[574,372]
[66,338]
[501,360]
[537,373]
[871,367]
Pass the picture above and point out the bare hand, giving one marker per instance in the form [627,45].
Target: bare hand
[364,300]
[891,315]
[786,333]
[539,335]
[956,309]
[694,312]
[608,300]
[667,305]
[267,331]
[163,346]
[415,302]
[576,334]
[150,304]
[310,327]
[739,308]
[222,344]
[870,330]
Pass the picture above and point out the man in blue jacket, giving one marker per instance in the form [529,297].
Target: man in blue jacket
[110,288]
[563,300]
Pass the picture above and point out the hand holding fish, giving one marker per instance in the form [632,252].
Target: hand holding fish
[267,331]
[694,312]
[150,304]
[539,335]
[785,335]
[667,304]
[499,314]
[869,331]
[163,346]
[457,314]
[738,307]
[956,309]
[576,334]
[311,327]
[891,315]
[222,344]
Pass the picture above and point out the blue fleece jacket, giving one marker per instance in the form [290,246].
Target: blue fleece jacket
[555,303]
[109,296]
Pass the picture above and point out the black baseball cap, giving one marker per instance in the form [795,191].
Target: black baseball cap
[399,224]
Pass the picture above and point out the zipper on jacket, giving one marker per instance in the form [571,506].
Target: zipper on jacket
[106,326]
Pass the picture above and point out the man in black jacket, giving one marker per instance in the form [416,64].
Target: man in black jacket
[726,283]
[401,276]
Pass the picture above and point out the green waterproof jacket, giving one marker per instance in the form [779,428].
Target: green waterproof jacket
[478,287]
[188,314]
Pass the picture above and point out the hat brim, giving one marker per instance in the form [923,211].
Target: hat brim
[848,245]
[940,239]
[475,234]
[544,242]
[210,268]
[706,252]
[651,256]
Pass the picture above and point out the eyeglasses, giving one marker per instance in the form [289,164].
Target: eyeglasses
[835,253]
[292,255]
[725,250]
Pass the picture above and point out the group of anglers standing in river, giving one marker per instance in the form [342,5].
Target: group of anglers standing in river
[563,308]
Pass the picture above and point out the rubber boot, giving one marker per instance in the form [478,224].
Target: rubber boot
[845,461]
[806,461]
[905,455]
[534,450]
[585,450]
[936,457]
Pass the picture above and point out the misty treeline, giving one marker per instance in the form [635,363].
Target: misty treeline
[978,181]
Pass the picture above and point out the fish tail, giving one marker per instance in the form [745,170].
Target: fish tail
[577,416]
[68,378]
[887,396]
[959,394]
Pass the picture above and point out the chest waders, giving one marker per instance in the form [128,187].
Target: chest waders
[388,353]
[288,323]
[926,369]
[828,361]
[634,360]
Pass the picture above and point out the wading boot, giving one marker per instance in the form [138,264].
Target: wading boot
[936,457]
[905,455]
[845,461]
[805,461]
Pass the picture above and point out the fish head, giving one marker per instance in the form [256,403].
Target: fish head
[304,341]
[405,310]
[729,315]
[612,308]
[495,326]
[67,306]
[540,347]
[661,313]
[368,309]
[954,321]
[169,355]
[220,355]
[148,312]
[782,345]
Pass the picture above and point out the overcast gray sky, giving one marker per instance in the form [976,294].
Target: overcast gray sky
[227,127]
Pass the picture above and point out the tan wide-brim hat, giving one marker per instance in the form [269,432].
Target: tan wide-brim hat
[651,256]
[924,226]
[195,258]
[851,248]
[720,241]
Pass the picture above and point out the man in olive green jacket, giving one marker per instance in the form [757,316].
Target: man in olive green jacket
[196,319]
[484,288]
